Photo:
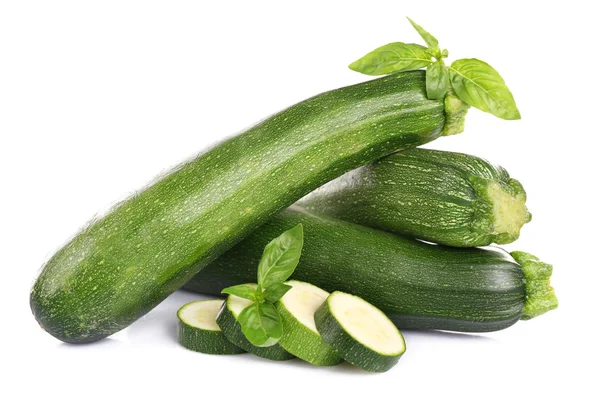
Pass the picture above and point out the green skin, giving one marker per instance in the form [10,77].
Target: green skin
[233,332]
[348,347]
[205,341]
[305,343]
[122,265]
[417,285]
[438,196]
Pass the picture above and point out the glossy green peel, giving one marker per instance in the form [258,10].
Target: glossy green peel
[122,265]
[417,285]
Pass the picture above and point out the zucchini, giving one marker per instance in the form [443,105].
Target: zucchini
[418,285]
[300,335]
[360,332]
[443,197]
[227,321]
[122,265]
[198,329]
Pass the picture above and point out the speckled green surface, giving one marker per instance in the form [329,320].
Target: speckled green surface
[417,285]
[122,265]
[208,342]
[439,196]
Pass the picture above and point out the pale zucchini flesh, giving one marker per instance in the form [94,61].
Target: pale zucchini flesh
[198,329]
[300,334]
[227,321]
[201,314]
[360,332]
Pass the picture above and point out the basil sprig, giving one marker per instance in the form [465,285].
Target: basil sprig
[474,82]
[260,321]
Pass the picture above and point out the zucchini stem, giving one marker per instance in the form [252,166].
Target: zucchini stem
[456,111]
[539,295]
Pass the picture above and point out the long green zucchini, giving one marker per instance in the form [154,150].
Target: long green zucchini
[418,285]
[443,197]
[122,265]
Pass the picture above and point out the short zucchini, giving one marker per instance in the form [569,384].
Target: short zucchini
[443,197]
[227,321]
[122,265]
[198,329]
[300,335]
[359,332]
[416,284]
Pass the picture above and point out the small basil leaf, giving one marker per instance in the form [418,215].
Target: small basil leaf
[261,324]
[275,292]
[431,41]
[243,291]
[392,57]
[249,320]
[280,257]
[437,82]
[481,86]
[271,320]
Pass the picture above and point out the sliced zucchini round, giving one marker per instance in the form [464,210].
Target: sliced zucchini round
[227,321]
[198,329]
[300,334]
[361,333]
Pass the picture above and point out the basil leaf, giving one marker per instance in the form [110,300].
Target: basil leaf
[436,80]
[261,324]
[280,257]
[431,41]
[481,86]
[271,320]
[243,291]
[392,57]
[275,292]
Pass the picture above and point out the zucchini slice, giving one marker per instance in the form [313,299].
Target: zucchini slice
[360,332]
[198,329]
[227,321]
[300,335]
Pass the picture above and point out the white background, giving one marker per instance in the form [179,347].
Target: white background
[97,98]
